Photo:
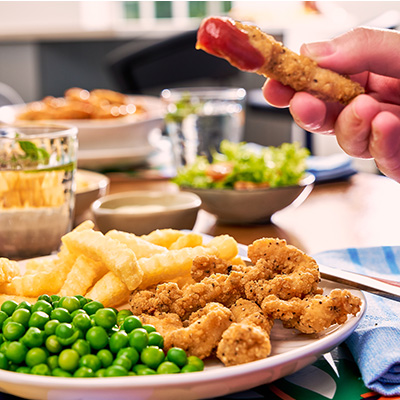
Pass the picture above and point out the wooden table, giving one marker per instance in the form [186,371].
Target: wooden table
[362,211]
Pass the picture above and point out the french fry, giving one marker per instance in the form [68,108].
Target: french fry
[163,237]
[117,257]
[110,291]
[227,246]
[171,265]
[141,248]
[48,281]
[8,270]
[84,273]
[189,240]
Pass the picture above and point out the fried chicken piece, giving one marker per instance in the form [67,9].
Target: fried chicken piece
[168,297]
[199,335]
[315,313]
[289,271]
[204,266]
[248,338]
[246,47]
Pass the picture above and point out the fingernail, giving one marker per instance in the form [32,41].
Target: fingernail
[317,50]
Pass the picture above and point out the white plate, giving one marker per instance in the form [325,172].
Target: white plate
[109,158]
[291,351]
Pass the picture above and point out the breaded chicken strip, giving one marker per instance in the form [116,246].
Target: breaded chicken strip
[246,47]
[199,335]
[248,338]
[289,271]
[313,314]
[168,297]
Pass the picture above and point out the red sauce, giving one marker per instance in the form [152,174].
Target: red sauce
[220,37]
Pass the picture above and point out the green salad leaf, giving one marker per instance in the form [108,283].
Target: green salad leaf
[269,166]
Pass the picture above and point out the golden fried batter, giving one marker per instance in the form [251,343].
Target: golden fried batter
[248,338]
[313,314]
[236,41]
[207,265]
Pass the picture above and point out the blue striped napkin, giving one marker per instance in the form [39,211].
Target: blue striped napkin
[375,344]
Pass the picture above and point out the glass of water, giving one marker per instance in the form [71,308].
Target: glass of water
[198,119]
[37,188]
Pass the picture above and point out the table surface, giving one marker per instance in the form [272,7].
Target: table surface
[361,211]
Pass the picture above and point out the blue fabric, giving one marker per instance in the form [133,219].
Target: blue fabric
[375,344]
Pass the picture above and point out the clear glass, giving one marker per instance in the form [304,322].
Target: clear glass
[37,188]
[198,119]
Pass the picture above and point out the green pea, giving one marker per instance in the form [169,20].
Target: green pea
[3,317]
[64,330]
[196,361]
[152,356]
[61,314]
[189,368]
[24,304]
[97,337]
[33,337]
[13,330]
[3,346]
[51,326]
[129,352]
[52,362]
[68,360]
[71,303]
[106,357]
[92,306]
[130,323]
[23,370]
[123,361]
[101,373]
[168,367]
[9,307]
[41,369]
[52,344]
[78,311]
[83,300]
[156,339]
[84,372]
[139,339]
[115,370]
[4,364]
[82,321]
[149,328]
[42,305]
[22,316]
[35,356]
[105,317]
[61,373]
[38,319]
[54,297]
[45,297]
[144,371]
[178,356]
[16,352]
[118,340]
[82,347]
[90,361]
[122,314]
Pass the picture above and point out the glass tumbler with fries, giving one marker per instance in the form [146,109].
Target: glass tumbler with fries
[37,170]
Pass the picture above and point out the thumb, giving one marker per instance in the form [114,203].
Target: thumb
[359,50]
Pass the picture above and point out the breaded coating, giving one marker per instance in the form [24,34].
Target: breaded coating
[202,333]
[163,322]
[289,271]
[225,289]
[236,41]
[248,338]
[207,265]
[313,314]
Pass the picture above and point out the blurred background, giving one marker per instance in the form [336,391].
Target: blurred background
[47,47]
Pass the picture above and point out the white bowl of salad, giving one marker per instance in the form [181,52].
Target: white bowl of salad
[246,184]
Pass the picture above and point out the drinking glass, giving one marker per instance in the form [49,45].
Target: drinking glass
[198,119]
[37,187]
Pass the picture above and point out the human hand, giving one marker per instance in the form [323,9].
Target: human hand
[369,127]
